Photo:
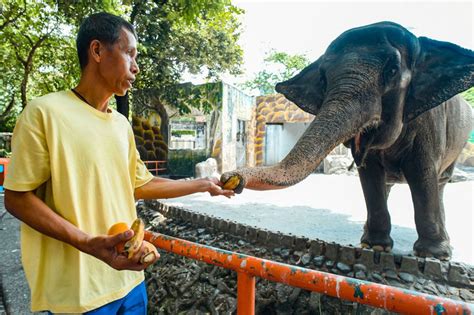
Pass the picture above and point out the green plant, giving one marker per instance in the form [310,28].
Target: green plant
[181,163]
[279,66]
[179,133]
[4,153]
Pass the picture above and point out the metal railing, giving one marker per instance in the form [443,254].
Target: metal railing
[155,167]
[363,292]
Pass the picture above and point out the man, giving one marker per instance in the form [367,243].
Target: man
[74,172]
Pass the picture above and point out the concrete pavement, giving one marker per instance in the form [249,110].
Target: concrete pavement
[332,208]
[15,293]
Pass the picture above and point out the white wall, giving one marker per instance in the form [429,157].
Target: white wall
[290,135]
[280,140]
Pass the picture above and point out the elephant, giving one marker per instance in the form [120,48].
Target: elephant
[393,99]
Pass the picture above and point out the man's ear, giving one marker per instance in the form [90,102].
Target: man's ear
[95,48]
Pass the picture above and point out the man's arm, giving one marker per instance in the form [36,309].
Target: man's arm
[163,188]
[31,210]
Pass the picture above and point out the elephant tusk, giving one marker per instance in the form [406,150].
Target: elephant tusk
[357,142]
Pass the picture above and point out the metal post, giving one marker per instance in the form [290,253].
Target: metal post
[245,294]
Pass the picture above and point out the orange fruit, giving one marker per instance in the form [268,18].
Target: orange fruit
[118,228]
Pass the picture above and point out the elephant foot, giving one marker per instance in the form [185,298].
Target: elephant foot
[432,248]
[380,242]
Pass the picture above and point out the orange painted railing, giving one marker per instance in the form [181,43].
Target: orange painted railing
[3,171]
[155,166]
[363,292]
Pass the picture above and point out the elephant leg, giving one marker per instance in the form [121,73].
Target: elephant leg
[377,227]
[427,196]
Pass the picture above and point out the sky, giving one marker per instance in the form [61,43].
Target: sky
[308,27]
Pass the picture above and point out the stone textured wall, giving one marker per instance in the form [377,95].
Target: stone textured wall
[149,140]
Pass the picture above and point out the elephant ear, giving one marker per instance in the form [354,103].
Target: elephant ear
[442,70]
[305,89]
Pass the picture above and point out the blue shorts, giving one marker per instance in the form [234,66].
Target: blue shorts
[135,302]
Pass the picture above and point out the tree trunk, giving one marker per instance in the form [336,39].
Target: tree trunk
[28,65]
[164,127]
[123,106]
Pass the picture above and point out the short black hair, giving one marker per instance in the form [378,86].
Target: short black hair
[104,27]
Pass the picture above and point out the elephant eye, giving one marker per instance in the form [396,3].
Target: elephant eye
[389,73]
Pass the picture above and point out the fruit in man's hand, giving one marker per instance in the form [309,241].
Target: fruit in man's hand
[118,228]
[150,254]
[133,245]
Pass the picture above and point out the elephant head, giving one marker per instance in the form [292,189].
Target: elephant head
[370,82]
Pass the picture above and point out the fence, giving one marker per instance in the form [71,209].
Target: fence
[156,167]
[363,292]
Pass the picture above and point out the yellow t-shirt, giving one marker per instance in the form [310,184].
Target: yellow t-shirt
[85,166]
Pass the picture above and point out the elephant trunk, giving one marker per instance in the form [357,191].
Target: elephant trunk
[332,126]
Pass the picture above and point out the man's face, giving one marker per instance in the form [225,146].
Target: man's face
[118,66]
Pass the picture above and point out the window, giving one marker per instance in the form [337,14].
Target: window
[188,135]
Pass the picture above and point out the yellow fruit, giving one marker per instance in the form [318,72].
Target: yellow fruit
[232,183]
[133,245]
[118,228]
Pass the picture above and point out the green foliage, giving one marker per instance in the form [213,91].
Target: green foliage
[279,66]
[4,153]
[181,163]
[183,119]
[469,96]
[179,133]
[172,43]
[37,41]
[185,96]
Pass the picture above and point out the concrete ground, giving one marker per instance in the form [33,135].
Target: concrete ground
[14,293]
[332,208]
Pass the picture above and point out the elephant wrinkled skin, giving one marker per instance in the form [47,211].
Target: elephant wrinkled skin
[391,97]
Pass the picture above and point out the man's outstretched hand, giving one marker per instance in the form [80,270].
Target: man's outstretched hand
[216,188]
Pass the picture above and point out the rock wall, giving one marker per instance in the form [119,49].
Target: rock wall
[149,140]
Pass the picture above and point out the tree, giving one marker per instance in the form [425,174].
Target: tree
[37,40]
[25,28]
[182,36]
[39,56]
[176,37]
[279,66]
